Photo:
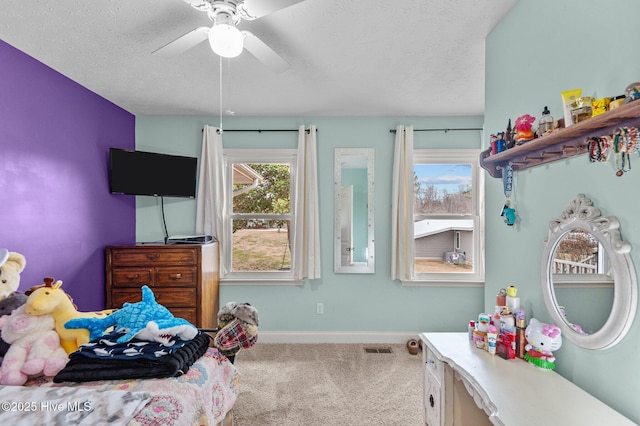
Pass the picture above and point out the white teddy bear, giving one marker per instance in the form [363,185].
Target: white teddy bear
[35,347]
[11,265]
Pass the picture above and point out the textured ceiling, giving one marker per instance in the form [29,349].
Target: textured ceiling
[348,57]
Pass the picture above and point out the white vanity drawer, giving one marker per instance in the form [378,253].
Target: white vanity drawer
[432,400]
[433,365]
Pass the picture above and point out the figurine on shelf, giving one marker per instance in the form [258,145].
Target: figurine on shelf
[500,141]
[542,340]
[494,144]
[524,129]
[508,137]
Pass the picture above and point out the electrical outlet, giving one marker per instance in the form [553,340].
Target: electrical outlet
[320,308]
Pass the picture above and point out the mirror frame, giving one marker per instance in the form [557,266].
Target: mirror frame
[581,214]
[369,268]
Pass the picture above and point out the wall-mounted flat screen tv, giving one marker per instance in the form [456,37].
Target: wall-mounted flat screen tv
[150,173]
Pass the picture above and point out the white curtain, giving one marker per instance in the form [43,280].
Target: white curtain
[211,202]
[306,242]
[402,205]
[212,186]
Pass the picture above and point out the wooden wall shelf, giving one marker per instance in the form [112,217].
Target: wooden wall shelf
[562,143]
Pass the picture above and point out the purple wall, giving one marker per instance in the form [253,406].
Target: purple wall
[55,205]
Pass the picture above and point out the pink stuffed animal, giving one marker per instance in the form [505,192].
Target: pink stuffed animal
[35,347]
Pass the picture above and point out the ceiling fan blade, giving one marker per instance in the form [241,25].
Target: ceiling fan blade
[258,8]
[201,5]
[264,53]
[183,43]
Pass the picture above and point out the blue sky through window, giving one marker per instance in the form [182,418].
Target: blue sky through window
[444,176]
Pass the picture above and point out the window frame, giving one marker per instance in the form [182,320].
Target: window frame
[456,279]
[263,156]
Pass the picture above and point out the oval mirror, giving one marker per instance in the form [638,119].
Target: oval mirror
[353,215]
[589,282]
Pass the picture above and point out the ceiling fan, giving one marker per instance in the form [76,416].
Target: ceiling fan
[224,37]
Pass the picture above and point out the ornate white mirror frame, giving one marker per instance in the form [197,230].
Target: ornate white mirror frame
[353,214]
[581,214]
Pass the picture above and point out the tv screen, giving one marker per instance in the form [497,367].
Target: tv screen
[149,173]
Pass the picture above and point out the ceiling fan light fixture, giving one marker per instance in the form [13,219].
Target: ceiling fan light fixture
[225,39]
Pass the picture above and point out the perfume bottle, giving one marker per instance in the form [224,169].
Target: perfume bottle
[546,122]
[521,340]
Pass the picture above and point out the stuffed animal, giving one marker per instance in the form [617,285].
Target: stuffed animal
[542,340]
[11,265]
[238,323]
[8,305]
[524,129]
[49,298]
[145,320]
[35,347]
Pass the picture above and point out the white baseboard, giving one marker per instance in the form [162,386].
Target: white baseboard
[336,337]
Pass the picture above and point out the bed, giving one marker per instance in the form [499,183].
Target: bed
[141,366]
[204,395]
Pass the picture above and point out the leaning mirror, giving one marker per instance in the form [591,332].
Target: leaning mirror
[353,215]
[588,279]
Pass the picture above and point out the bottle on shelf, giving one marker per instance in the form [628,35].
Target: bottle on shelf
[521,340]
[546,122]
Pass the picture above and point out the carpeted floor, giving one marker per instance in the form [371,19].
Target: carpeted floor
[328,385]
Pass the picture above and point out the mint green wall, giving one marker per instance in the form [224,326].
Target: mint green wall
[540,49]
[352,302]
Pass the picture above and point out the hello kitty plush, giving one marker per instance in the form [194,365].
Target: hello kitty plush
[542,340]
[35,347]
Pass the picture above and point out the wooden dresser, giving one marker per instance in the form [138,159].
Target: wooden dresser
[184,278]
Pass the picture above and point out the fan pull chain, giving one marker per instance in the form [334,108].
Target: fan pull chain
[229,110]
[220,88]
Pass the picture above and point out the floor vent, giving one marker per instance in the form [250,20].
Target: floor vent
[385,350]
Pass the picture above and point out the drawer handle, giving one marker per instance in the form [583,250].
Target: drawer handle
[133,277]
[175,276]
[153,256]
[431,362]
[431,401]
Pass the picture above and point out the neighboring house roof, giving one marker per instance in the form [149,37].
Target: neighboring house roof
[427,227]
[245,175]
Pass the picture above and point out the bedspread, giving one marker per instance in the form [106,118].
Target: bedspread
[202,396]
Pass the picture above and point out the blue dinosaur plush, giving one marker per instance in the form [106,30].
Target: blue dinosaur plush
[145,320]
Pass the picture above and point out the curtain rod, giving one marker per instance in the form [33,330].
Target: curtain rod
[441,130]
[260,130]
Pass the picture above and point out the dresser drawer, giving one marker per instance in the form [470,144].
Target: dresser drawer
[141,256]
[176,277]
[432,401]
[433,366]
[169,297]
[186,313]
[128,277]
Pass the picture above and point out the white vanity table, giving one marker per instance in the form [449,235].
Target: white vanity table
[459,378]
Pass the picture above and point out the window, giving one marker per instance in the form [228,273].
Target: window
[448,216]
[260,214]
